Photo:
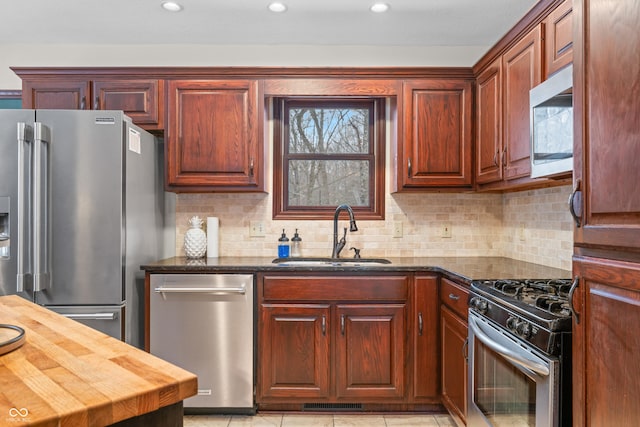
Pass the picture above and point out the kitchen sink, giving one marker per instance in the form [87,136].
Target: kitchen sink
[331,262]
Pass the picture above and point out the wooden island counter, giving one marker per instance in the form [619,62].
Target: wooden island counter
[67,374]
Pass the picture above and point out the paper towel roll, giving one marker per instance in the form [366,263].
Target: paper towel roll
[212,236]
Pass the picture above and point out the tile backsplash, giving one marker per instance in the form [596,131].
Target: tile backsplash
[532,226]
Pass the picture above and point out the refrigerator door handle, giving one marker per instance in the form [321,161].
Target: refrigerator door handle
[41,204]
[25,139]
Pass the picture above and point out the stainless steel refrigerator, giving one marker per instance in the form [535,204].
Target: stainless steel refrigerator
[82,206]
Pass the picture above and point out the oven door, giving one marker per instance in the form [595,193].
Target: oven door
[509,382]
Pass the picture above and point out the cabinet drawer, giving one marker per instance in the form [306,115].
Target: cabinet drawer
[343,288]
[455,297]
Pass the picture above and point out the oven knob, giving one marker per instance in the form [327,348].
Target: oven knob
[479,304]
[524,329]
[512,323]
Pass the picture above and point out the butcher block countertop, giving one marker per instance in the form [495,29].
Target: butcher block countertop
[67,374]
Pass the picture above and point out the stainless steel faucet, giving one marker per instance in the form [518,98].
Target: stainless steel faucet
[339,245]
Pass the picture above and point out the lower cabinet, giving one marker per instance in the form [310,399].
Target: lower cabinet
[453,346]
[332,339]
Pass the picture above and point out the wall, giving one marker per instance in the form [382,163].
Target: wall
[30,55]
[531,226]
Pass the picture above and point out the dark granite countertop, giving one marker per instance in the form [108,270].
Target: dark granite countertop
[462,269]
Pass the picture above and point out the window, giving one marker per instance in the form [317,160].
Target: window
[328,152]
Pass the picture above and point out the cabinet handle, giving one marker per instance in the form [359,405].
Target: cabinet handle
[495,158]
[465,350]
[574,286]
[504,158]
[454,297]
[576,194]
[83,102]
[96,103]
[420,324]
[409,167]
[342,324]
[251,168]
[324,325]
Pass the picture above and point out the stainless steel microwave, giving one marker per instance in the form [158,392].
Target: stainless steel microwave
[551,112]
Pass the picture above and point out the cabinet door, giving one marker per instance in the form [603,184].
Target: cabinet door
[607,111]
[426,381]
[293,351]
[558,40]
[437,134]
[214,131]
[56,94]
[489,124]
[522,70]
[453,333]
[141,100]
[370,351]
[606,343]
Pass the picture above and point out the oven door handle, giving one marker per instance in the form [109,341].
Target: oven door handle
[498,343]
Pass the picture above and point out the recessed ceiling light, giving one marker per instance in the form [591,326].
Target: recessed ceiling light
[379,7]
[277,7]
[171,6]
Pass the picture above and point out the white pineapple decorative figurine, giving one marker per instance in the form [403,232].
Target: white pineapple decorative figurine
[195,239]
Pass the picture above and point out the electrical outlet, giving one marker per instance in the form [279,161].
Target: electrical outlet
[256,229]
[445,231]
[397,229]
[521,233]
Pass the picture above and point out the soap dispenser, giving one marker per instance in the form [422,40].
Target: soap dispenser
[283,246]
[296,245]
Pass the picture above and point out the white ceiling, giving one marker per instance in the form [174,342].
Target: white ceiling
[248,22]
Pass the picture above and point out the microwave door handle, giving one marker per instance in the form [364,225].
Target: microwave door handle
[498,343]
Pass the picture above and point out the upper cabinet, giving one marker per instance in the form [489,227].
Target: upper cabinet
[606,203]
[435,148]
[558,39]
[489,124]
[502,116]
[214,136]
[522,70]
[140,99]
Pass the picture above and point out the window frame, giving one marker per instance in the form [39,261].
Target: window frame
[377,127]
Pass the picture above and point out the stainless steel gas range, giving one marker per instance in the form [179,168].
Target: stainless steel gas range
[519,353]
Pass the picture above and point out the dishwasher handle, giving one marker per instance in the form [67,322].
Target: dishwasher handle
[91,316]
[201,290]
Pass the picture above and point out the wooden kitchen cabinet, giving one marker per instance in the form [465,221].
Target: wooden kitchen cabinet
[370,351]
[426,360]
[606,110]
[453,347]
[294,350]
[502,115]
[522,70]
[140,99]
[558,39]
[606,206]
[606,343]
[435,147]
[214,138]
[489,124]
[331,339]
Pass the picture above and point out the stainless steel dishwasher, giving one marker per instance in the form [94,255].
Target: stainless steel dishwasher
[204,324]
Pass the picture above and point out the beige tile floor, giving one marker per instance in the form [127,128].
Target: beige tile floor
[319,420]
